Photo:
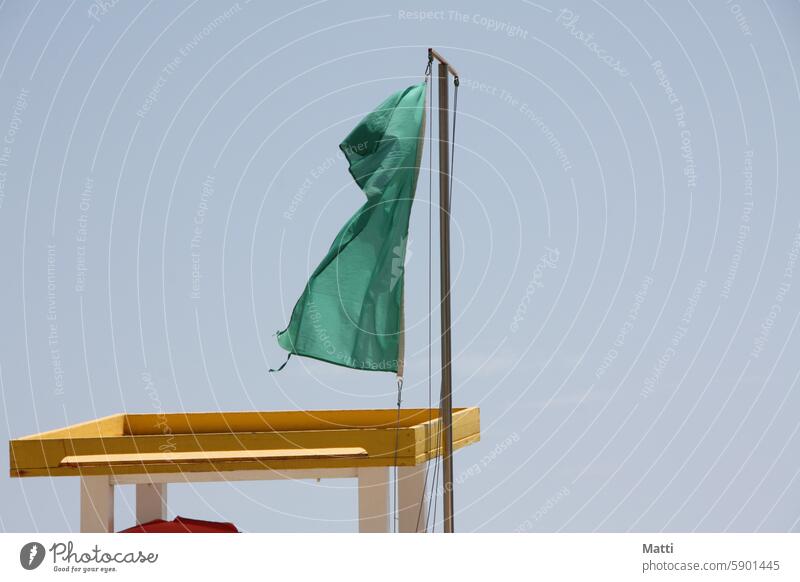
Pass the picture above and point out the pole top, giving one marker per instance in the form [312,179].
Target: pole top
[432,54]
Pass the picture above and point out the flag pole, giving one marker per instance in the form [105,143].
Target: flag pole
[446,398]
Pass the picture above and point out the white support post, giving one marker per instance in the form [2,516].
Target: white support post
[373,499]
[151,502]
[97,505]
[411,498]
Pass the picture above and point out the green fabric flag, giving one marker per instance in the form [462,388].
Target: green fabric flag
[351,311]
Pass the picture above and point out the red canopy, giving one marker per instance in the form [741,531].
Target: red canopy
[182,525]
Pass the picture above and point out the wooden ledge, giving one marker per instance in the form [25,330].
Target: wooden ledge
[167,458]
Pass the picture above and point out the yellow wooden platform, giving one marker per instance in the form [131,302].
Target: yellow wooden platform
[239,441]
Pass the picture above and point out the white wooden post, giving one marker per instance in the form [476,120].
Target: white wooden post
[97,505]
[373,499]
[151,502]
[411,498]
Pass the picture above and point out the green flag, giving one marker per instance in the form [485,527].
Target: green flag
[351,311]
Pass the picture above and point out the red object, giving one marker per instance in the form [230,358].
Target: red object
[182,525]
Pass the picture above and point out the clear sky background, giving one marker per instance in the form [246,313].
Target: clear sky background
[626,227]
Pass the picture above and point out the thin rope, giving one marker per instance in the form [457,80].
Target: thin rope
[453,146]
[435,485]
[283,365]
[430,290]
[396,483]
[396,445]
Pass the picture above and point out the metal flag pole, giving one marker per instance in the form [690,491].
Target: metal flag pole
[446,399]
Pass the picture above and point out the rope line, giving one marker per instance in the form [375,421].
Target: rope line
[453,145]
[396,446]
[430,288]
